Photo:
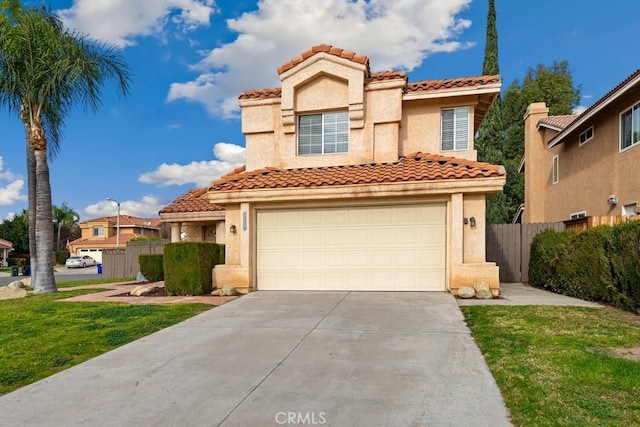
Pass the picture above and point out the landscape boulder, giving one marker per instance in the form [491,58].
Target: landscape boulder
[142,290]
[483,291]
[7,292]
[466,292]
[16,285]
[225,291]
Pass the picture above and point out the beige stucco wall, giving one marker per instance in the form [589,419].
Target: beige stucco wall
[588,174]
[465,244]
[384,124]
[421,126]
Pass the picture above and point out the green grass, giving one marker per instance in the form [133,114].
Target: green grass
[41,336]
[556,366]
[72,284]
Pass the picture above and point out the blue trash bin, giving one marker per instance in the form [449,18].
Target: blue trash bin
[26,270]
[99,265]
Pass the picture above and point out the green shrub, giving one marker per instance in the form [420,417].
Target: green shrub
[151,267]
[548,253]
[599,264]
[188,266]
[62,256]
[624,253]
[16,261]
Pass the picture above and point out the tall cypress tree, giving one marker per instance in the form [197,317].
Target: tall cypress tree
[489,142]
[490,65]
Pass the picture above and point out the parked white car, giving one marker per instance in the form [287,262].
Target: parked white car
[79,261]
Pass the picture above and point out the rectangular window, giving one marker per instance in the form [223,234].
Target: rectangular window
[587,135]
[98,231]
[555,169]
[630,127]
[578,215]
[630,209]
[455,129]
[326,133]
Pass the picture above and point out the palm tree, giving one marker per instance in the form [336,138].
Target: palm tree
[45,71]
[64,218]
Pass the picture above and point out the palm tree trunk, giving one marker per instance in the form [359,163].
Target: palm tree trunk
[42,279]
[31,191]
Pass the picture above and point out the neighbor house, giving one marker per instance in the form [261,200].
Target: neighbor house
[587,164]
[353,181]
[6,247]
[102,233]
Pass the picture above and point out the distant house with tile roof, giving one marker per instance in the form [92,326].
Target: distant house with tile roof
[102,233]
[584,164]
[354,181]
[6,246]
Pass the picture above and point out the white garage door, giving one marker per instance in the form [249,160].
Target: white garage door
[384,248]
[93,253]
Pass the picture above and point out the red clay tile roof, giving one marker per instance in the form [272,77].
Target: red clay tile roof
[414,167]
[429,85]
[98,243]
[192,201]
[128,221]
[388,75]
[5,244]
[269,93]
[421,86]
[559,122]
[327,49]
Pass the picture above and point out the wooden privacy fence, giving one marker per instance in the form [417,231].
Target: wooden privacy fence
[509,246]
[582,224]
[117,263]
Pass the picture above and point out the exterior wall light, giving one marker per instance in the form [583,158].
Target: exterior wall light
[232,229]
[472,221]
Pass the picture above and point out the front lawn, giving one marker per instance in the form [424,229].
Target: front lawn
[40,336]
[73,284]
[562,366]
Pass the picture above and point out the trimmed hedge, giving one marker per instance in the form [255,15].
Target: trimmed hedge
[151,267]
[188,266]
[62,256]
[599,264]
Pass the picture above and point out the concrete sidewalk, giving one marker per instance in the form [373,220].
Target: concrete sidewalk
[521,294]
[333,358]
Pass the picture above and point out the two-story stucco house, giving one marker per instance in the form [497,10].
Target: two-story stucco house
[354,181]
[587,164]
[102,233]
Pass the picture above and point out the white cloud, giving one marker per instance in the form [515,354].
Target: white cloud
[120,21]
[398,34]
[149,206]
[229,156]
[11,192]
[579,109]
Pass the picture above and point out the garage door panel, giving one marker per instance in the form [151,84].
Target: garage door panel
[386,248]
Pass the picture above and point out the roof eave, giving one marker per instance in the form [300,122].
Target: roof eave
[589,113]
[492,88]
[490,185]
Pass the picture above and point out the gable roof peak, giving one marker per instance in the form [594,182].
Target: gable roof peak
[331,50]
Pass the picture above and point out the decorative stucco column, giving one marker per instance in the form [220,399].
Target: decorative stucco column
[175,232]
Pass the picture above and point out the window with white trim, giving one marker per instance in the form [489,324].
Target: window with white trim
[555,169]
[325,133]
[586,136]
[455,129]
[630,127]
[630,209]
[578,215]
[98,231]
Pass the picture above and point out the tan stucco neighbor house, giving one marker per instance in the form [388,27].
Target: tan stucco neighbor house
[355,181]
[101,233]
[584,165]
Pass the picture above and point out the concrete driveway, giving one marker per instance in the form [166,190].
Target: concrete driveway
[283,358]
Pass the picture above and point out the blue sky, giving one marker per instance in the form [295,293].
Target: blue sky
[179,128]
